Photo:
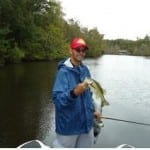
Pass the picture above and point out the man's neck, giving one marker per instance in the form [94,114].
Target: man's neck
[74,63]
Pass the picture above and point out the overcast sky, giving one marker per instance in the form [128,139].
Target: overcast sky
[127,19]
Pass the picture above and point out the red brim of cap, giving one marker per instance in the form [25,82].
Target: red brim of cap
[79,46]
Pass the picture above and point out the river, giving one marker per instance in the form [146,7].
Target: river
[27,113]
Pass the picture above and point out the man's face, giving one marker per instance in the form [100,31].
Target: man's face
[78,54]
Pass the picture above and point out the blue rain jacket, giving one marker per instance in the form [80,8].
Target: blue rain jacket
[73,115]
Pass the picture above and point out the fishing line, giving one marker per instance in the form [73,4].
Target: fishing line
[116,119]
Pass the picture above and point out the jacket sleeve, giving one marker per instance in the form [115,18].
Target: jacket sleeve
[61,93]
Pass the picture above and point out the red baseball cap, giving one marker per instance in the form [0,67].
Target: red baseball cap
[77,43]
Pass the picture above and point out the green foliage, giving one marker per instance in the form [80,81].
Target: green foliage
[56,40]
[140,47]
[4,44]
[94,39]
[15,55]
[72,29]
[36,30]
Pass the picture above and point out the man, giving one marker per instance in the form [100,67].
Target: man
[74,109]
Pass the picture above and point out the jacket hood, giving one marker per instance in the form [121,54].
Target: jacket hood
[66,64]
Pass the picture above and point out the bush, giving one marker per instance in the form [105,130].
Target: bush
[15,55]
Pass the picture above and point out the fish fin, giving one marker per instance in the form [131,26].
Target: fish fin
[104,91]
[105,103]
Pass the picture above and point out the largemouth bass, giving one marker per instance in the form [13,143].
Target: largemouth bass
[99,101]
[97,90]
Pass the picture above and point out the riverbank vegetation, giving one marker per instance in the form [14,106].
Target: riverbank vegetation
[139,47]
[35,30]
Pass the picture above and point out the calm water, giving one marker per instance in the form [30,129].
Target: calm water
[26,111]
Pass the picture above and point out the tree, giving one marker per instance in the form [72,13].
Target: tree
[95,41]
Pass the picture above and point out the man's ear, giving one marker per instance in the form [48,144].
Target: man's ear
[70,51]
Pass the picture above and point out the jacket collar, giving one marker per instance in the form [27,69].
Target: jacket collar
[68,63]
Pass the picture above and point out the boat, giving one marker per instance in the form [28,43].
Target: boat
[33,144]
[125,146]
[39,144]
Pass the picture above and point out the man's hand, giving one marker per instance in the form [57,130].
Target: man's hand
[80,88]
[97,115]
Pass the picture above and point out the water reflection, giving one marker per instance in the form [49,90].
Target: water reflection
[25,106]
